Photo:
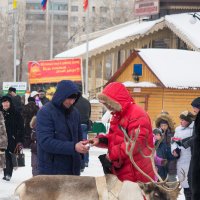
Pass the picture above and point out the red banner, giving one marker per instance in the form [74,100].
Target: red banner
[146,7]
[85,4]
[48,71]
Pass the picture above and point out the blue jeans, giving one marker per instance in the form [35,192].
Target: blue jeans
[84,128]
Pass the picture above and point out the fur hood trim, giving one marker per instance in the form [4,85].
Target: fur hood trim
[33,122]
[167,118]
[110,102]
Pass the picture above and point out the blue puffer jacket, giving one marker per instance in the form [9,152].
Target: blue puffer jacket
[57,133]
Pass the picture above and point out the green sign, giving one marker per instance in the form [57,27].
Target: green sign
[21,87]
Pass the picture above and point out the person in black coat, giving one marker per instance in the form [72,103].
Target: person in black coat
[195,161]
[15,132]
[16,99]
[28,112]
[42,97]
[84,108]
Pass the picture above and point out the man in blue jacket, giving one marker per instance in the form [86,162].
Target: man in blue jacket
[59,134]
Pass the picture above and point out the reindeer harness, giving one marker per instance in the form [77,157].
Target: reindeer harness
[112,191]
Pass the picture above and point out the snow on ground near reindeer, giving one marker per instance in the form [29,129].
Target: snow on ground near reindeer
[7,188]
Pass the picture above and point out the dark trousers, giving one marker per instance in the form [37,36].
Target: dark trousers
[34,165]
[84,128]
[9,166]
[187,193]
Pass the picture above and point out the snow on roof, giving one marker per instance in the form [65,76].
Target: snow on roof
[175,68]
[182,26]
[139,84]
[178,23]
[120,34]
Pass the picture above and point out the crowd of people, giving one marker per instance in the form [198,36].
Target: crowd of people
[15,125]
[56,131]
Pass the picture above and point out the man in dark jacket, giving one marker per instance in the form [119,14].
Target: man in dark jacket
[16,99]
[84,107]
[195,161]
[42,97]
[28,112]
[59,135]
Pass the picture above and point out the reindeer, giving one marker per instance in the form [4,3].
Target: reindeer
[108,187]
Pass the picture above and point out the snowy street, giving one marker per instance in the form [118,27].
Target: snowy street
[7,188]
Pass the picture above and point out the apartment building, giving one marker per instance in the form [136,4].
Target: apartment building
[70,20]
[102,14]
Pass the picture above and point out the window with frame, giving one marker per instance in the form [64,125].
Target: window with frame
[74,19]
[35,16]
[33,6]
[103,9]
[102,19]
[74,8]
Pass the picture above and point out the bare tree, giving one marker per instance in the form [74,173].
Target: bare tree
[21,38]
[116,12]
[6,55]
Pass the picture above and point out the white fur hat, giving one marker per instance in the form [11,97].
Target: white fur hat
[34,93]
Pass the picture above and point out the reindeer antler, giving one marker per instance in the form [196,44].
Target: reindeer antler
[130,142]
[151,157]
[129,150]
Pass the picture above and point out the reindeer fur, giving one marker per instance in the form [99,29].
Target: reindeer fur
[55,187]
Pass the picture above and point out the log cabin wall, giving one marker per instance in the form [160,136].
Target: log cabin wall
[97,67]
[96,112]
[155,100]
[146,73]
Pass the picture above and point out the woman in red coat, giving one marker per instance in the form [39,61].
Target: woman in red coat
[127,114]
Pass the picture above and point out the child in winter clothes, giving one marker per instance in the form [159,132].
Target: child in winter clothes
[165,122]
[162,151]
[158,161]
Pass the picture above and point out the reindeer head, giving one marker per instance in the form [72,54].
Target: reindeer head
[154,192]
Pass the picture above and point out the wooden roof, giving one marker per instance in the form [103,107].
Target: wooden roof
[180,1]
[179,24]
[172,68]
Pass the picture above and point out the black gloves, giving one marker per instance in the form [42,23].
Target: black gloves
[186,142]
[180,143]
[178,151]
[106,164]
[103,140]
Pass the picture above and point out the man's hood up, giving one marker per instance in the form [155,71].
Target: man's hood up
[64,89]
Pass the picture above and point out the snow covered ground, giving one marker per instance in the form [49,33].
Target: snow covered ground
[7,188]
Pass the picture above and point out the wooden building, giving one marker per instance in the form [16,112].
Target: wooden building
[168,7]
[108,52]
[162,80]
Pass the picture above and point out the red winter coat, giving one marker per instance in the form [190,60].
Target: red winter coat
[130,116]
